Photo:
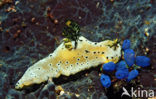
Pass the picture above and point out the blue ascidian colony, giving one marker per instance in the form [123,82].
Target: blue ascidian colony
[126,69]
[121,73]
[105,80]
[132,74]
[109,66]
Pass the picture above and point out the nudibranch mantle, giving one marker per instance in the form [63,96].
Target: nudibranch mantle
[68,62]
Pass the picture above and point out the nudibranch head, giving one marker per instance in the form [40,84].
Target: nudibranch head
[67,62]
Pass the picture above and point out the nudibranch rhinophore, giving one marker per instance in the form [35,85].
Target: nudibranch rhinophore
[68,62]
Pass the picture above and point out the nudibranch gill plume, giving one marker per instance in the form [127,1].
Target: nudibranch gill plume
[69,62]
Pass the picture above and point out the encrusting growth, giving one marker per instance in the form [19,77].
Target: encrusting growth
[68,62]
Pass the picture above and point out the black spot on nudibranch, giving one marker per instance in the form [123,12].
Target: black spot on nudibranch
[81,40]
[95,43]
[78,59]
[94,52]
[98,52]
[67,62]
[77,63]
[86,51]
[103,52]
[86,57]
[38,68]
[112,57]
[107,57]
[50,55]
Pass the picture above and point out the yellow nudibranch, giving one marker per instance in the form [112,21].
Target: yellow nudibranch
[68,62]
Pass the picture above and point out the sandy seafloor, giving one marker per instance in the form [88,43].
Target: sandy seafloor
[31,29]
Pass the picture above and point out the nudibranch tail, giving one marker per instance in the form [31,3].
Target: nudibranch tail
[68,62]
[37,73]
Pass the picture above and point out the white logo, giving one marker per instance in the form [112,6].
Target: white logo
[125,92]
[138,93]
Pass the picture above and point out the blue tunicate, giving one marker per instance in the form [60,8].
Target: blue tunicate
[109,66]
[132,74]
[126,44]
[105,80]
[121,65]
[142,61]
[129,56]
[121,73]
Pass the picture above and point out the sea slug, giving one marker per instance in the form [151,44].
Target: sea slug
[68,62]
